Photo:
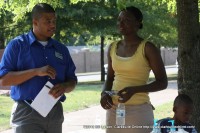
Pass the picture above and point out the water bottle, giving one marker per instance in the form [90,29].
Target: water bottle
[120,114]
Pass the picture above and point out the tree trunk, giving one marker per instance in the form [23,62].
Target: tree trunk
[189,54]
[2,40]
[102,59]
[2,29]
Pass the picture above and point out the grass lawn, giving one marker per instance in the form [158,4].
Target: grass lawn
[5,109]
[69,105]
[163,111]
[85,95]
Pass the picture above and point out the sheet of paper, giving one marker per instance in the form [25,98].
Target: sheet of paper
[44,102]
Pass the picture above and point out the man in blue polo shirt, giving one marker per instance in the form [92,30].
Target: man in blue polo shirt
[28,62]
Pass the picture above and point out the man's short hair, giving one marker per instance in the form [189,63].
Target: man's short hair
[182,99]
[40,8]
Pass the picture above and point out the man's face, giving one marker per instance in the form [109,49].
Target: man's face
[183,113]
[44,26]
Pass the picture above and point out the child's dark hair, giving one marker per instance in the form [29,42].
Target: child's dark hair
[182,99]
[40,8]
[136,12]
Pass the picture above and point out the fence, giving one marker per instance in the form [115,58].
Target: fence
[89,61]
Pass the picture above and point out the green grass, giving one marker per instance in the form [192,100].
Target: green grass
[5,110]
[85,95]
[74,103]
[163,111]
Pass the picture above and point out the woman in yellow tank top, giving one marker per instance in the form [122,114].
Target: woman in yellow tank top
[129,63]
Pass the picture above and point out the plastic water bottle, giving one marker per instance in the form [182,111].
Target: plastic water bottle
[120,114]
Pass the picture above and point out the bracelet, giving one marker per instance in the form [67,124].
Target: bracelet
[103,93]
[110,93]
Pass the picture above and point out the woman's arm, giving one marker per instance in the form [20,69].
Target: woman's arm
[106,100]
[154,58]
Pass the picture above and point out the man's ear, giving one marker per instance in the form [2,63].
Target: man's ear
[35,21]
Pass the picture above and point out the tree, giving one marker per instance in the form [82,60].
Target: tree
[16,19]
[79,21]
[189,53]
[93,18]
[82,21]
[159,24]
[2,19]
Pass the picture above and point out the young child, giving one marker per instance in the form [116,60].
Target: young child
[182,108]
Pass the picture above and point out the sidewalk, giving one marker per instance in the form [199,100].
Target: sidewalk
[75,122]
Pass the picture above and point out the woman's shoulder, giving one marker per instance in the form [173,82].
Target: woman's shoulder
[113,44]
[148,43]
[150,47]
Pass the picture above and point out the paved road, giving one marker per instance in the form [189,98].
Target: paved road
[96,76]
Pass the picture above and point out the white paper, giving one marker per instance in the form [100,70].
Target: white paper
[44,102]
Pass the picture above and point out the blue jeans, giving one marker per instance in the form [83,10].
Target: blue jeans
[25,119]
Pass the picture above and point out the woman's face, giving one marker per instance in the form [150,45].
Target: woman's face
[127,23]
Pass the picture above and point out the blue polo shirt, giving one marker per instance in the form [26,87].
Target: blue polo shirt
[25,52]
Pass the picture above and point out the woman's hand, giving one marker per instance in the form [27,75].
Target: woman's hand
[106,101]
[125,94]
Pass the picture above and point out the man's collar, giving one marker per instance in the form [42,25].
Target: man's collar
[33,39]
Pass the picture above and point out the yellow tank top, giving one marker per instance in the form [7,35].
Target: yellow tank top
[130,71]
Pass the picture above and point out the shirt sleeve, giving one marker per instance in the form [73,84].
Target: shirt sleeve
[9,58]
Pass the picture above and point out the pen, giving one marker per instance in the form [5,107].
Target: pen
[47,86]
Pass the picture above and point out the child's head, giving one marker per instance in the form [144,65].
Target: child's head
[183,107]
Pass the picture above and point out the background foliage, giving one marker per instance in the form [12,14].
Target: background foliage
[82,22]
